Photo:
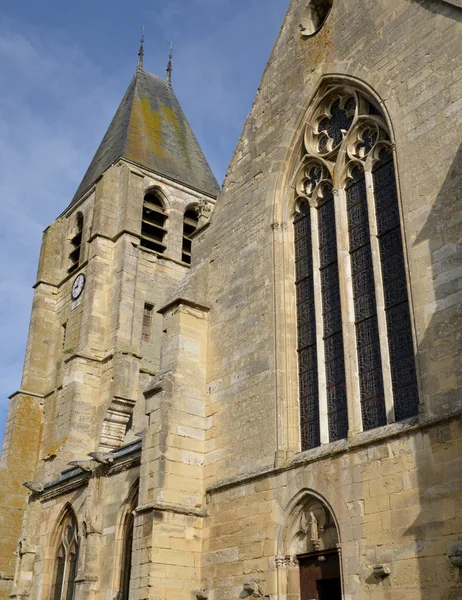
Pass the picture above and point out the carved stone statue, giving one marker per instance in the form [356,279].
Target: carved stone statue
[205,211]
[314,530]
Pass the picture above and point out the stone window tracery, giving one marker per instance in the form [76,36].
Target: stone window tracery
[127,544]
[65,570]
[350,273]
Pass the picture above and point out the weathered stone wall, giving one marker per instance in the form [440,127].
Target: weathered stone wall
[89,377]
[409,54]
[221,436]
[396,502]
[100,504]
[396,499]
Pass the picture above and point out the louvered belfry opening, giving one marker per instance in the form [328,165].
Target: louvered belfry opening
[190,223]
[76,243]
[351,284]
[153,224]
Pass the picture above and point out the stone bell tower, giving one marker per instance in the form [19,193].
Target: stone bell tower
[109,261]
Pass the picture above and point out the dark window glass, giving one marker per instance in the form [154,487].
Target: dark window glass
[127,559]
[401,349]
[366,324]
[66,561]
[339,122]
[306,328]
[59,576]
[127,548]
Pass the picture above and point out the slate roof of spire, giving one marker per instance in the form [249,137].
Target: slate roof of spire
[151,130]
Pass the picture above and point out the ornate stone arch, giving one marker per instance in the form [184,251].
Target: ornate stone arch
[156,211]
[362,140]
[65,544]
[310,528]
[158,189]
[125,526]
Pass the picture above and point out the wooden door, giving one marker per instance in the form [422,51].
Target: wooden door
[320,577]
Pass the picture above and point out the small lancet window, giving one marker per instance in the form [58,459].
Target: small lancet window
[65,570]
[320,340]
[147,322]
[306,328]
[365,306]
[153,224]
[76,243]
[190,223]
[127,546]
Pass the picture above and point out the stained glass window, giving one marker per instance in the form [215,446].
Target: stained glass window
[348,126]
[332,321]
[401,348]
[306,328]
[365,307]
[337,124]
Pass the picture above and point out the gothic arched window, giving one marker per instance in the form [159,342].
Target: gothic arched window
[352,296]
[76,243]
[153,223]
[190,223]
[128,524]
[65,568]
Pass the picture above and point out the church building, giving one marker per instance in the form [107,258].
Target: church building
[255,391]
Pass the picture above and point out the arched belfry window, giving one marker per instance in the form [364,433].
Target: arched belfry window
[351,288]
[153,223]
[76,243]
[190,223]
[66,558]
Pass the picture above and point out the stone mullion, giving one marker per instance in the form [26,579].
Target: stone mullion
[321,359]
[380,300]
[348,314]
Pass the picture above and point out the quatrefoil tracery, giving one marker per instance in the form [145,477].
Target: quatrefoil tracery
[346,127]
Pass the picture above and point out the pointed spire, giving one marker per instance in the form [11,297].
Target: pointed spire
[168,79]
[141,51]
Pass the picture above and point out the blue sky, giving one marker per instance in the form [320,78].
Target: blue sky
[64,67]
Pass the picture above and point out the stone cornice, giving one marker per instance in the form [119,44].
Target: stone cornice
[360,440]
[125,458]
[456,3]
[174,508]
[178,301]
[25,393]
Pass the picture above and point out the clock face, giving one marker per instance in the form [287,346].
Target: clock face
[77,286]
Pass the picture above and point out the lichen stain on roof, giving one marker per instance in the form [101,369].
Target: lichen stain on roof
[150,129]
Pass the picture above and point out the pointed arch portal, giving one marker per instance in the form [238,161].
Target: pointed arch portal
[309,563]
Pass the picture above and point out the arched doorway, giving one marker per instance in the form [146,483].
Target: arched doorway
[310,568]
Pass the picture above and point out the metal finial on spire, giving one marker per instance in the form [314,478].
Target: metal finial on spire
[169,66]
[141,51]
